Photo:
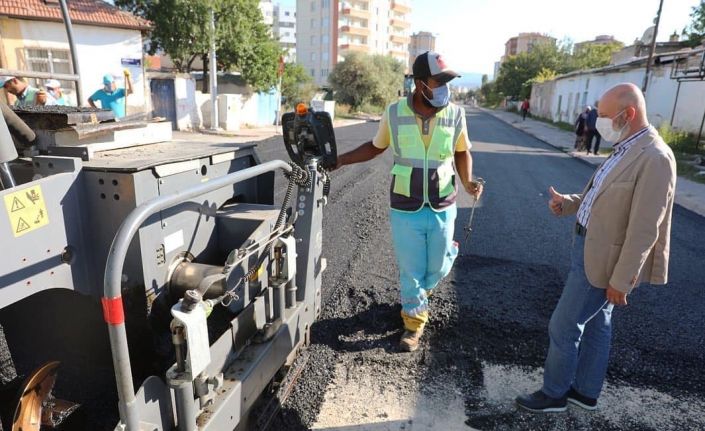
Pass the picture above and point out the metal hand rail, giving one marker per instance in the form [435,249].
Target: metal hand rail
[112,299]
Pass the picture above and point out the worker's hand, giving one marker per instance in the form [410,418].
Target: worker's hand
[41,98]
[556,202]
[474,188]
[340,162]
[616,297]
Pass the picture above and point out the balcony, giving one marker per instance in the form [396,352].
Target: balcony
[355,31]
[348,47]
[401,7]
[355,13]
[402,40]
[398,23]
[399,53]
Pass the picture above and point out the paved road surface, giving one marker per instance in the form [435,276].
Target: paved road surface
[488,335]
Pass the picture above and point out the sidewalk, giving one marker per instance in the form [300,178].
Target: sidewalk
[689,194]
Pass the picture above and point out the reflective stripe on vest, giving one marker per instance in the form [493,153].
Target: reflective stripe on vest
[423,175]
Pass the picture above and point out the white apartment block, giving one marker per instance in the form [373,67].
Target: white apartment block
[267,8]
[327,30]
[285,30]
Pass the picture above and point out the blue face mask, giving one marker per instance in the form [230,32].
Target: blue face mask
[441,95]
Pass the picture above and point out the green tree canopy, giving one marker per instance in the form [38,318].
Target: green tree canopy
[592,56]
[362,78]
[297,85]
[546,61]
[390,74]
[517,70]
[695,31]
[181,30]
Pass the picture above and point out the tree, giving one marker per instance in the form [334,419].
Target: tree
[489,95]
[695,31]
[356,81]
[545,61]
[297,85]
[181,30]
[390,79]
[517,70]
[245,43]
[592,56]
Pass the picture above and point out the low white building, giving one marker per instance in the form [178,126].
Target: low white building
[670,100]
[33,38]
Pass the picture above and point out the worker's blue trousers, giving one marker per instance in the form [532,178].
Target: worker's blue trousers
[425,251]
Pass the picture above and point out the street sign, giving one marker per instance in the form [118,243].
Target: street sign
[131,61]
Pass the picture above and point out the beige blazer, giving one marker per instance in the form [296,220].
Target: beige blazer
[628,236]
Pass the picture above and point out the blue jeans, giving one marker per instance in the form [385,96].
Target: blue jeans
[423,244]
[580,331]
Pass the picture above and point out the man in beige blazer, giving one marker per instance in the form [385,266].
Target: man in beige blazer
[621,240]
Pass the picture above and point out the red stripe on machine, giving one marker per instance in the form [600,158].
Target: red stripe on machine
[112,310]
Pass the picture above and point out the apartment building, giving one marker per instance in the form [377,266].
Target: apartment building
[525,42]
[327,30]
[420,42]
[267,8]
[285,29]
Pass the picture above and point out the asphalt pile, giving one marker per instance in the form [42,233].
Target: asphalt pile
[53,109]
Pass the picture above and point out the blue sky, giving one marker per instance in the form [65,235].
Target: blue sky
[471,33]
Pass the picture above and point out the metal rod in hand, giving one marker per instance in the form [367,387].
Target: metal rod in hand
[468,227]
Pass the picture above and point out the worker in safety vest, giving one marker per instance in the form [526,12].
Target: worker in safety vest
[429,138]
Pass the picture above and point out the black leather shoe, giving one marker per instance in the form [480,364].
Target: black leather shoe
[538,402]
[587,403]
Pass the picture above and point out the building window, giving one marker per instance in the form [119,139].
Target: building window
[313,23]
[313,56]
[49,60]
[313,6]
[313,72]
[325,23]
[324,73]
[287,13]
[325,3]
[325,39]
[324,56]
[313,40]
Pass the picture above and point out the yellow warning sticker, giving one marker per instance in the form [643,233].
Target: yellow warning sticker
[26,210]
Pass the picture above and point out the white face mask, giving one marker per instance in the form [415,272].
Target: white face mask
[605,126]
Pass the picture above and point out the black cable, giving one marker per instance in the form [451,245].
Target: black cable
[297,176]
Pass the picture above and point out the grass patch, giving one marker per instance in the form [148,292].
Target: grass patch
[685,150]
[343,111]
[346,112]
[686,169]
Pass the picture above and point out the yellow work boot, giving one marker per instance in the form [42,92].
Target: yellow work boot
[410,340]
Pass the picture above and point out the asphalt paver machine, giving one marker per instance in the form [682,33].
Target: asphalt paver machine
[206,288]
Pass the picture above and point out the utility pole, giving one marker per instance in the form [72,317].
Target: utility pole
[72,48]
[213,76]
[652,49]
[280,74]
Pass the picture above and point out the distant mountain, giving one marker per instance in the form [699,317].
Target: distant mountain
[468,79]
